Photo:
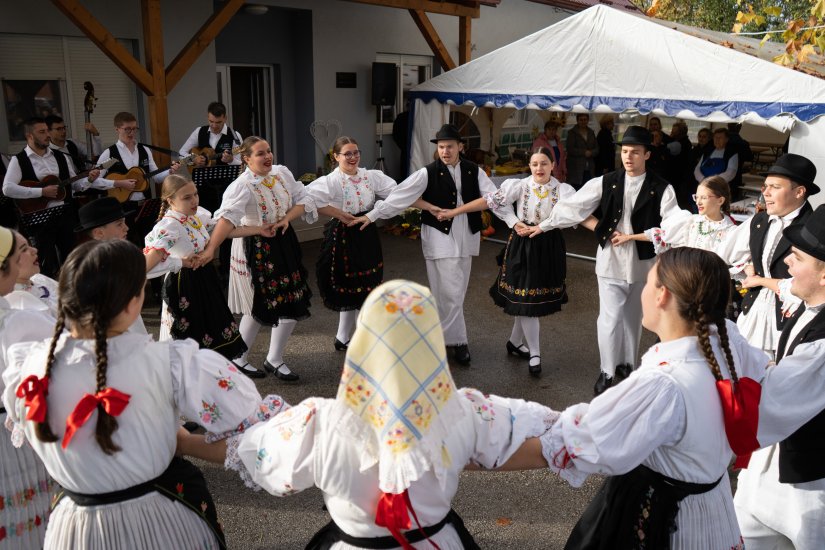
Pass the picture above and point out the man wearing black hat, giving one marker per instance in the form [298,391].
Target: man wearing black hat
[758,247]
[631,200]
[780,495]
[448,245]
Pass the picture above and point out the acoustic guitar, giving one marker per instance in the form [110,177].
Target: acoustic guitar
[211,156]
[27,206]
[141,178]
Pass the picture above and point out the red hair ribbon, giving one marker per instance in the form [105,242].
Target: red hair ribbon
[740,406]
[394,513]
[35,390]
[113,402]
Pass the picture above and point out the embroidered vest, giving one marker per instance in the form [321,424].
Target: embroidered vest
[441,191]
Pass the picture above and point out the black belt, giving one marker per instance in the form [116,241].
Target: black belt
[2,410]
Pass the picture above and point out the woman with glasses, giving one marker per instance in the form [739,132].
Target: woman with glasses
[351,264]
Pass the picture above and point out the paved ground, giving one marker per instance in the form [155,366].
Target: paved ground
[522,510]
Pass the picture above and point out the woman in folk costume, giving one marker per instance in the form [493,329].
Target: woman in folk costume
[388,450]
[351,263]
[32,289]
[666,434]
[100,406]
[531,281]
[193,304]
[267,280]
[25,485]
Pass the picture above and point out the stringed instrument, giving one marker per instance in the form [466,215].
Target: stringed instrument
[211,156]
[27,206]
[141,178]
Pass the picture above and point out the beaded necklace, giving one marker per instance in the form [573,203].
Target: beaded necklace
[541,192]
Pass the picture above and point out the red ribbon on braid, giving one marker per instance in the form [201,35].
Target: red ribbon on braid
[393,512]
[740,406]
[35,390]
[113,401]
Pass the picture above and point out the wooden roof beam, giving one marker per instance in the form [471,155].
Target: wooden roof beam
[465,45]
[107,43]
[433,40]
[443,8]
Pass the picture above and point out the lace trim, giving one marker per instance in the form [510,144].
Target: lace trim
[234,463]
[267,408]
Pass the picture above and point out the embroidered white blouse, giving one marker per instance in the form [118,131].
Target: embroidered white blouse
[165,380]
[534,201]
[352,194]
[44,291]
[685,229]
[253,199]
[180,235]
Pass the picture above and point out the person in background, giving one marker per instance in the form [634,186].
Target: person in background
[75,149]
[606,159]
[704,144]
[679,166]
[216,135]
[582,150]
[722,161]
[550,139]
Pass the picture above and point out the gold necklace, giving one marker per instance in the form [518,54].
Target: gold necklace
[268,182]
[194,222]
[541,192]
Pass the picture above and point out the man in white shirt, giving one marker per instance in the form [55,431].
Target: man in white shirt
[631,201]
[54,239]
[75,149]
[448,245]
[216,135]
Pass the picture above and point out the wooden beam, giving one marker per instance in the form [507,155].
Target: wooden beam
[443,8]
[433,40]
[153,52]
[205,35]
[104,40]
[465,45]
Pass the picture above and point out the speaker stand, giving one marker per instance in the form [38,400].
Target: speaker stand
[379,162]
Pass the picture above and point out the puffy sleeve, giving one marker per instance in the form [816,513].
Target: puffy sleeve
[616,431]
[501,201]
[319,191]
[206,219]
[163,236]
[789,301]
[382,184]
[673,233]
[210,388]
[299,195]
[233,204]
[735,246]
[401,197]
[278,455]
[502,425]
[576,208]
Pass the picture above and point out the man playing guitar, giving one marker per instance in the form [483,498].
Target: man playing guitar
[74,148]
[216,136]
[34,163]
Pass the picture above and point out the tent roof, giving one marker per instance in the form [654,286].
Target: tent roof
[604,59]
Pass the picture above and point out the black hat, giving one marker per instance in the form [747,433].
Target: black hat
[99,212]
[448,131]
[636,135]
[796,168]
[810,236]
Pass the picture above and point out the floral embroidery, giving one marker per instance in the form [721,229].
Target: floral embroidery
[740,546]
[556,293]
[404,303]
[210,414]
[398,439]
[484,409]
[184,303]
[182,324]
[358,194]
[441,388]
[225,383]
[541,191]
[206,340]
[644,513]
[179,489]
[22,498]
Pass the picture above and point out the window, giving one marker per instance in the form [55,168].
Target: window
[413,70]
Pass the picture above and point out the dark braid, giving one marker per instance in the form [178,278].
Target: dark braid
[703,335]
[42,429]
[722,327]
[106,423]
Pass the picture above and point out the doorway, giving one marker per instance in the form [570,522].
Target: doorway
[248,92]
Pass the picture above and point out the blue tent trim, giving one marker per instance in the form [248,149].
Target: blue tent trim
[701,108]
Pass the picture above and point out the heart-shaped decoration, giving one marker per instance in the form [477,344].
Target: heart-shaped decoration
[325,133]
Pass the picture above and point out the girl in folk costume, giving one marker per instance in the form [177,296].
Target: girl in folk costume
[25,485]
[666,433]
[100,406]
[388,450]
[531,280]
[32,290]
[267,281]
[193,304]
[351,264]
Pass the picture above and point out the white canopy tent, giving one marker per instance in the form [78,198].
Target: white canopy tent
[604,60]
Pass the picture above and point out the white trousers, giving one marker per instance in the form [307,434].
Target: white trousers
[619,326]
[449,278]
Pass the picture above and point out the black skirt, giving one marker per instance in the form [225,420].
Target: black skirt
[350,265]
[531,279]
[279,279]
[199,311]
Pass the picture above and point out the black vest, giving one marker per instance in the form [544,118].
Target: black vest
[27,169]
[802,454]
[646,210]
[225,142]
[441,191]
[120,167]
[759,230]
[77,158]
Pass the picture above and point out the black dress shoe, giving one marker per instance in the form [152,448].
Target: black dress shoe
[602,383]
[340,346]
[461,354]
[624,370]
[250,371]
[285,376]
[534,370]
[513,349]
[269,368]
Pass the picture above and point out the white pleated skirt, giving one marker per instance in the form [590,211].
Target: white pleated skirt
[149,522]
[25,495]
[708,521]
[241,292]
[758,326]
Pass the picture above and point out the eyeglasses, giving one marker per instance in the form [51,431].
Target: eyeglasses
[130,130]
[59,128]
[697,198]
[349,155]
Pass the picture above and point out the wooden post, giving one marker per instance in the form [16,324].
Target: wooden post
[153,52]
[465,26]
[433,40]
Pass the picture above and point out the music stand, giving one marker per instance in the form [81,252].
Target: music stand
[149,209]
[34,220]
[212,181]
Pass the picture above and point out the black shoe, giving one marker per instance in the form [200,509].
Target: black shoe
[624,370]
[461,354]
[269,368]
[285,376]
[340,346]
[250,371]
[534,370]
[513,349]
[602,383]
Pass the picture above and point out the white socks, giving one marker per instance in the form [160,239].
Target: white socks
[277,343]
[529,326]
[346,325]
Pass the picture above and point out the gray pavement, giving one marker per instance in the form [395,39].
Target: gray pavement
[522,510]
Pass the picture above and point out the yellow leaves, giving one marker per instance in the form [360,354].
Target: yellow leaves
[653,9]
[806,51]
[765,38]
[746,18]
[774,11]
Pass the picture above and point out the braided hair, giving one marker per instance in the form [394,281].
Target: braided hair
[97,282]
[700,283]
[171,184]
[246,148]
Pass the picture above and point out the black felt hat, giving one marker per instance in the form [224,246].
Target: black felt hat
[810,236]
[796,168]
[636,135]
[448,131]
[99,212]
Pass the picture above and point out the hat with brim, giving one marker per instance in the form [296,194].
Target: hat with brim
[636,135]
[810,236]
[99,212]
[447,132]
[796,168]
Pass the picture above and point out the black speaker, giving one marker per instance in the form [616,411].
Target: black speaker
[383,84]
